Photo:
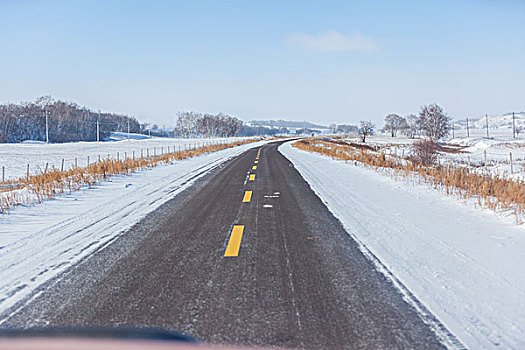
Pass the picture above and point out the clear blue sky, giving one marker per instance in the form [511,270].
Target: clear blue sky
[323,61]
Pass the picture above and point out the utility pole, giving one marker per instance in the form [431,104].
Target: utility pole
[98,127]
[128,130]
[468,133]
[513,126]
[47,125]
[453,136]
[487,124]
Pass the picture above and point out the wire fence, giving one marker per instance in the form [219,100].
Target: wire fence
[504,163]
[25,164]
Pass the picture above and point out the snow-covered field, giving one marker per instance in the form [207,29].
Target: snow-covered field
[464,264]
[497,150]
[39,242]
[14,157]
[470,150]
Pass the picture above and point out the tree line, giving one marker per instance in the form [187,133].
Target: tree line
[67,122]
[431,122]
[194,124]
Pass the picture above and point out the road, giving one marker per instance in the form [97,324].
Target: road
[248,255]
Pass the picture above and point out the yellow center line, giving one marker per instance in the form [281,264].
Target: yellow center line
[247,197]
[252,177]
[256,161]
[235,241]
[254,167]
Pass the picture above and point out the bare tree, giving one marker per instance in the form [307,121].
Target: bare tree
[187,123]
[395,123]
[67,121]
[366,128]
[412,126]
[433,121]
[424,152]
[190,124]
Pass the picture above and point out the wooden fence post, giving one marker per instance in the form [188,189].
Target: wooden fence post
[3,174]
[28,171]
[62,166]
[76,164]
[511,166]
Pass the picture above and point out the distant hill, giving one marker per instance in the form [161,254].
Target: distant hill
[500,121]
[287,124]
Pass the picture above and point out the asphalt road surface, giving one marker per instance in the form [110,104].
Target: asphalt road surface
[269,267]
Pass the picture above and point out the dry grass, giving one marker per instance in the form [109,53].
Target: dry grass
[37,188]
[492,192]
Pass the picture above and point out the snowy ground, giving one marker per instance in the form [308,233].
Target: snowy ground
[471,151]
[39,242]
[14,157]
[497,150]
[463,264]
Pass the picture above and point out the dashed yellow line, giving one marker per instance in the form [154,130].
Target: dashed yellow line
[234,244]
[247,197]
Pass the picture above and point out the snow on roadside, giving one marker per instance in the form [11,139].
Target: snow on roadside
[463,264]
[39,242]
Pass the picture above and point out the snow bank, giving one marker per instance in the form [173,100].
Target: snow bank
[463,264]
[119,136]
[39,242]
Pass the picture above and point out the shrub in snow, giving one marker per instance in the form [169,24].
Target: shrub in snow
[424,152]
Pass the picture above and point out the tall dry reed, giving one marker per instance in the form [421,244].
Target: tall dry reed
[36,188]
[490,191]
